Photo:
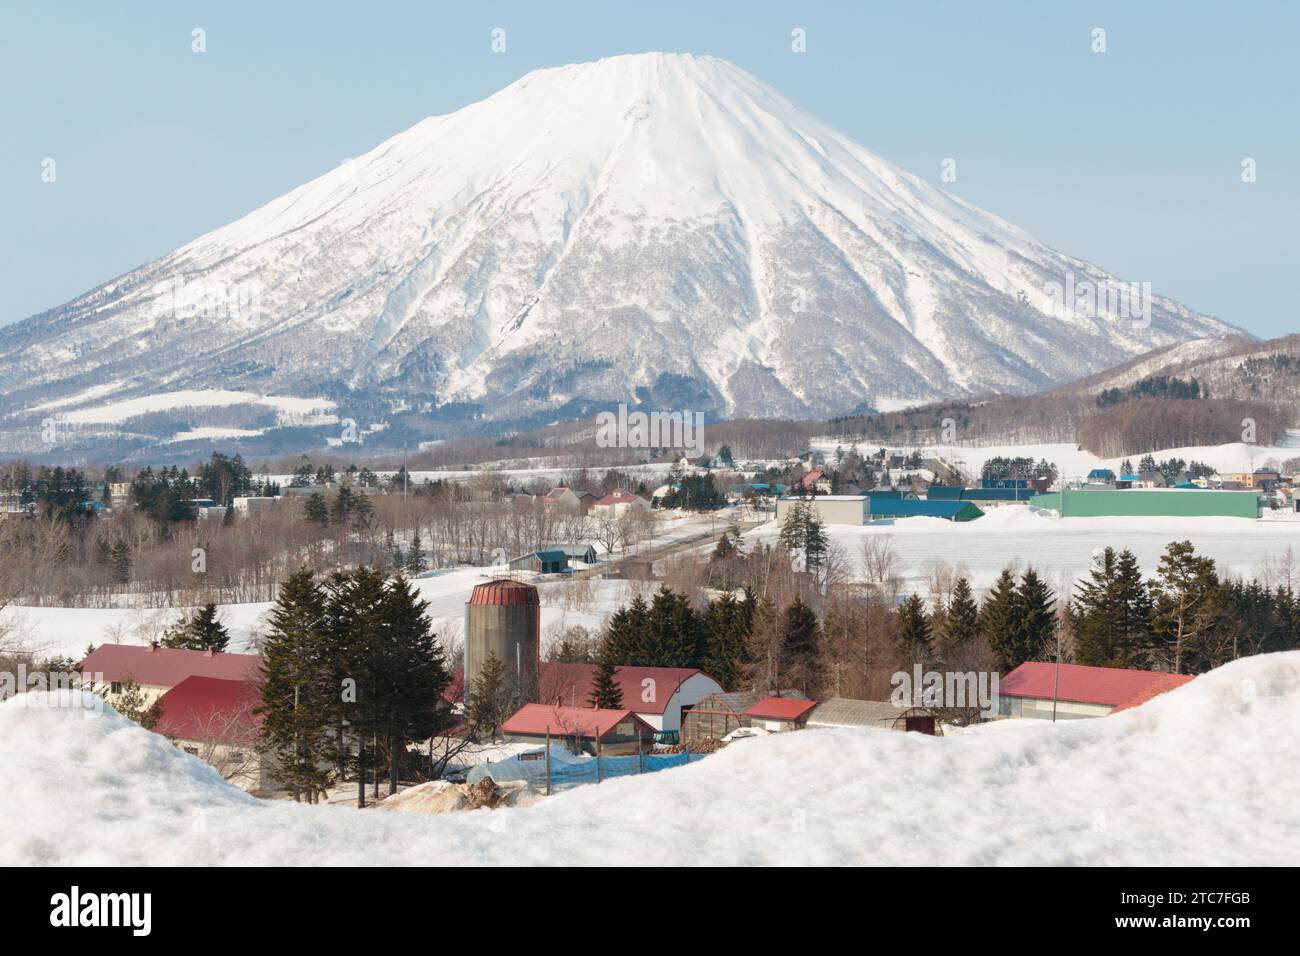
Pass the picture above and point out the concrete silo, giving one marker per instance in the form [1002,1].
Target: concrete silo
[504,618]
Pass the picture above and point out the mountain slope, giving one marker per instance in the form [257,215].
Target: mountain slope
[657,228]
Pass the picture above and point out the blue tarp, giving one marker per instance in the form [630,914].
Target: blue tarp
[569,771]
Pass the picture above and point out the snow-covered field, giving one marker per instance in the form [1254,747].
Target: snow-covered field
[1205,775]
[1058,548]
[55,630]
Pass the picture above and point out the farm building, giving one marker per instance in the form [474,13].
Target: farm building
[618,502]
[844,712]
[829,509]
[779,714]
[719,714]
[569,499]
[613,732]
[983,496]
[543,562]
[1078,690]
[586,553]
[503,620]
[716,716]
[1154,502]
[158,669]
[214,719]
[885,508]
[657,695]
[252,503]
[882,493]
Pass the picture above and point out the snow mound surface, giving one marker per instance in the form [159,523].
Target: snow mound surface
[1204,775]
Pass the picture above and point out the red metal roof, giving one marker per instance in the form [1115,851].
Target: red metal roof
[533,720]
[780,708]
[167,666]
[504,591]
[1082,684]
[811,479]
[619,496]
[210,709]
[1166,682]
[560,683]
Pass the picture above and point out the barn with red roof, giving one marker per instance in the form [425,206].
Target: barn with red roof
[612,731]
[157,669]
[1078,690]
[658,695]
[216,720]
[780,713]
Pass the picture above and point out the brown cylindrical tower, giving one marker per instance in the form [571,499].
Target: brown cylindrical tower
[504,618]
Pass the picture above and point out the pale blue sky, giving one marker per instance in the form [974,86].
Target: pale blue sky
[1130,159]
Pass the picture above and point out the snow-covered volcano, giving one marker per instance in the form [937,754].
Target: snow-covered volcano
[658,228]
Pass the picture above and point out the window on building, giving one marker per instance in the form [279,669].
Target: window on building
[115,687]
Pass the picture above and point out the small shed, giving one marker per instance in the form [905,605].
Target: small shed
[542,562]
[586,553]
[779,714]
[846,712]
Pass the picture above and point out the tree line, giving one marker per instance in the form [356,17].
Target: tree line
[351,674]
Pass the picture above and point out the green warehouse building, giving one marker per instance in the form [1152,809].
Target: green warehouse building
[1149,502]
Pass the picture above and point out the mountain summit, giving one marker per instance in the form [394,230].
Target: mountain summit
[656,228]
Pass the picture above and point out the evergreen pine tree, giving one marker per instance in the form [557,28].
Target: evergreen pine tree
[315,509]
[1186,603]
[998,620]
[961,623]
[297,688]
[488,699]
[198,632]
[415,562]
[605,693]
[913,629]
[416,675]
[1035,617]
[726,625]
[800,660]
[627,632]
[815,542]
[794,527]
[673,635]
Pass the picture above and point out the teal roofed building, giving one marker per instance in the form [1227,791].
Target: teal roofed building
[881,509]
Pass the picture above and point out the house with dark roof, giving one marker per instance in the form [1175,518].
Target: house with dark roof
[586,553]
[657,695]
[1049,691]
[554,561]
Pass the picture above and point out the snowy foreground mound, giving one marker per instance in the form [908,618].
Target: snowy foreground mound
[1204,775]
